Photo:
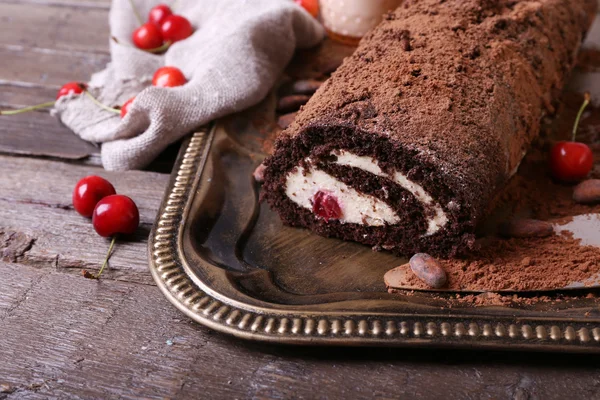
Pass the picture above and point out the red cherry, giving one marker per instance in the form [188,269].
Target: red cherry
[70,88]
[176,28]
[312,6]
[571,161]
[125,107]
[326,206]
[88,192]
[147,37]
[168,77]
[159,13]
[115,214]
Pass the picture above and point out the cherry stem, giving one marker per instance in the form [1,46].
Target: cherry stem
[99,104]
[586,101]
[136,12]
[112,244]
[27,109]
[160,49]
[97,276]
[165,46]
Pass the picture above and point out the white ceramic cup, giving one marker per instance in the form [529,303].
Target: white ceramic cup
[353,18]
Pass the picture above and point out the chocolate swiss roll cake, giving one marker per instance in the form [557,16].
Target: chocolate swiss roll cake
[406,145]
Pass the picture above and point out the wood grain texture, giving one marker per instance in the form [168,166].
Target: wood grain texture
[71,4]
[17,95]
[83,29]
[48,67]
[60,238]
[68,337]
[40,134]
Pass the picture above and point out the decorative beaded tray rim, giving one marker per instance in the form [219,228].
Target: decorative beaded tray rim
[200,296]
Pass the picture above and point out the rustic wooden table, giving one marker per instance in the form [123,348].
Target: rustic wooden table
[67,337]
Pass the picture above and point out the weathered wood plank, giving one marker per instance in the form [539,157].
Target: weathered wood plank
[17,95]
[48,67]
[35,201]
[102,4]
[15,291]
[40,134]
[67,337]
[53,27]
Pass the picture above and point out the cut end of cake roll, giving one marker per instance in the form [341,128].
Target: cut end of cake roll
[359,186]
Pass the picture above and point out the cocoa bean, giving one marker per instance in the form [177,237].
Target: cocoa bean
[428,269]
[286,120]
[526,228]
[291,103]
[587,192]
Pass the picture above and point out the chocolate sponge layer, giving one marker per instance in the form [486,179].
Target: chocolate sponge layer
[450,93]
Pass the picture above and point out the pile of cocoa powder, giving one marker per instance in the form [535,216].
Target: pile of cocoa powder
[520,265]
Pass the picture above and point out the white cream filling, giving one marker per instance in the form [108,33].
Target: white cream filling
[358,208]
[369,164]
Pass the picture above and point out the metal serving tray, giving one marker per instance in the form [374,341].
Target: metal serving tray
[227,262]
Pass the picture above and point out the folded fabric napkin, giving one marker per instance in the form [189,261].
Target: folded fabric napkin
[237,51]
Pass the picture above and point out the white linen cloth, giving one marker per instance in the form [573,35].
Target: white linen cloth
[237,51]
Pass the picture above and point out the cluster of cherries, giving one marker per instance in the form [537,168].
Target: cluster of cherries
[112,214]
[162,29]
[572,161]
[163,77]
